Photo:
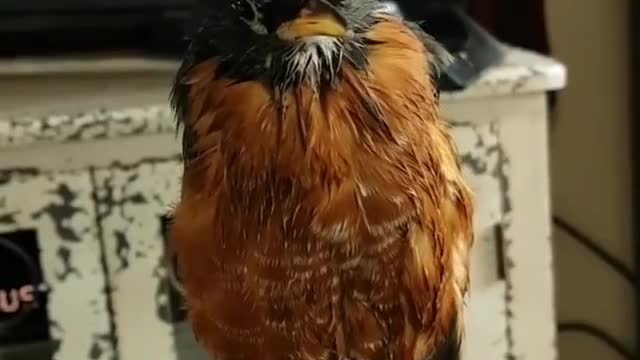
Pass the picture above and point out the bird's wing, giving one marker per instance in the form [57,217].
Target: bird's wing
[415,196]
[439,58]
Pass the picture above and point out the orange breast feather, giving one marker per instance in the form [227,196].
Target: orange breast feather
[323,229]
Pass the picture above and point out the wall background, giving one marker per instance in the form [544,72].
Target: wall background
[591,174]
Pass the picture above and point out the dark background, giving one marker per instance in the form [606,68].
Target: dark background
[634,13]
[44,26]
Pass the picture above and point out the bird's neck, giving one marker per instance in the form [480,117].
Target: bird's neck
[308,135]
[313,61]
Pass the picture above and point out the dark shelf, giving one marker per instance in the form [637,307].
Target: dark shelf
[38,28]
[33,351]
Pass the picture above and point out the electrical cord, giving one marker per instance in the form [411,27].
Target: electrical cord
[577,327]
[618,267]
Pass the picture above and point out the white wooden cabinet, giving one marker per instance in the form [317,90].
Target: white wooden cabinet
[121,160]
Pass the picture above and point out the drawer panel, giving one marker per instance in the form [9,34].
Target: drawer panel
[52,258]
[131,204]
[481,159]
[486,313]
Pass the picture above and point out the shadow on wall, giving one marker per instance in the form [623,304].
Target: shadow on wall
[591,184]
[591,177]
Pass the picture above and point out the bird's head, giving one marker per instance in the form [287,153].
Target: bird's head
[288,50]
[285,41]
[289,20]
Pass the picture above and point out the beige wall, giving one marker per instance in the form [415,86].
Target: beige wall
[590,169]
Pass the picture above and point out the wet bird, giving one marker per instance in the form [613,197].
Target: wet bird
[323,213]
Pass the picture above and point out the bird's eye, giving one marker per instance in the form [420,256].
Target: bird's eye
[244,8]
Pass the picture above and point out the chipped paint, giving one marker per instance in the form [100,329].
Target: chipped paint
[479,150]
[100,124]
[60,209]
[131,200]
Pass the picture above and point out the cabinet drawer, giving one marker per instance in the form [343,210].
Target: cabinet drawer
[52,260]
[485,316]
[481,161]
[131,203]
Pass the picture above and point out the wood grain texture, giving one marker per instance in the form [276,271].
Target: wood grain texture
[334,225]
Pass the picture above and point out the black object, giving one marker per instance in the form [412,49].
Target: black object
[473,48]
[175,311]
[42,350]
[186,346]
[44,27]
[23,296]
[38,15]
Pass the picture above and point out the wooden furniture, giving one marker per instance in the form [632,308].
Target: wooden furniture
[93,141]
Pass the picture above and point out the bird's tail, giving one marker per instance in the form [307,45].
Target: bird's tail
[449,348]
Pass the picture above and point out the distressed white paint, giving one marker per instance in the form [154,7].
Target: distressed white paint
[528,232]
[521,72]
[485,321]
[77,305]
[485,315]
[140,196]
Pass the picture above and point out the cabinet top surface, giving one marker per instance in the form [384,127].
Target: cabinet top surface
[86,99]
[520,72]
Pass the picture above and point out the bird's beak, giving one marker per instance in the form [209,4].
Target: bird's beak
[317,18]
